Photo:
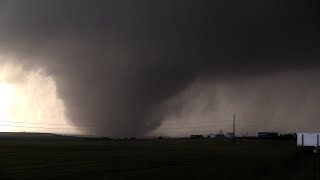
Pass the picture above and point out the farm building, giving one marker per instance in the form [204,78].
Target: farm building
[196,136]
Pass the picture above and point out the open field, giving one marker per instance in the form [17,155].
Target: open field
[152,159]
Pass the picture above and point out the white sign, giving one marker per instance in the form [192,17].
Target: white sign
[308,139]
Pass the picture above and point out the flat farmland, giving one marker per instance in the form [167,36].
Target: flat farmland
[154,159]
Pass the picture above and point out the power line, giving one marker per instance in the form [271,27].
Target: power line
[186,127]
[200,122]
[164,124]
[21,122]
[196,127]
[186,132]
[34,127]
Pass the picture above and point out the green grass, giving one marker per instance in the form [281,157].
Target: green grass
[151,159]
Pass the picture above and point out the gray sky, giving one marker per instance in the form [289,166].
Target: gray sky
[121,65]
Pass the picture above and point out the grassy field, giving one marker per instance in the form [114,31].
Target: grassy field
[152,159]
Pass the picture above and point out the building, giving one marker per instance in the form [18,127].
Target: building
[196,136]
[308,139]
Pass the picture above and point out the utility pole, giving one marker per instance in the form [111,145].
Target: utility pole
[302,161]
[317,158]
[234,129]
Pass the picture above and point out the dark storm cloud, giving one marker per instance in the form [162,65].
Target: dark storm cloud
[115,60]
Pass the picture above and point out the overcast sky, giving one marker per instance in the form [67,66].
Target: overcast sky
[129,66]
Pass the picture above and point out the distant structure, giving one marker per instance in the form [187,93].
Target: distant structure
[267,135]
[308,139]
[196,137]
